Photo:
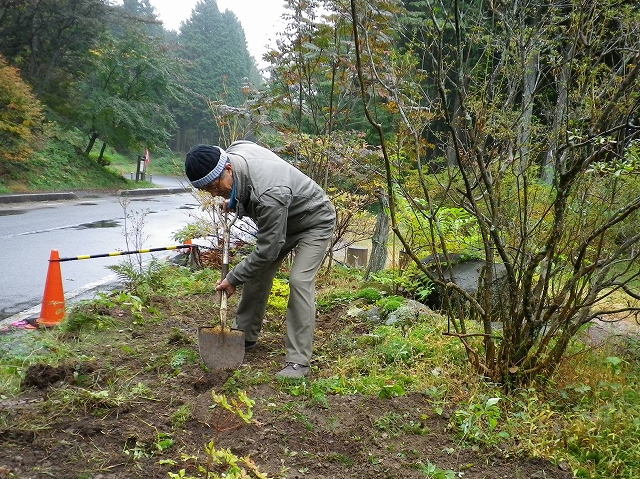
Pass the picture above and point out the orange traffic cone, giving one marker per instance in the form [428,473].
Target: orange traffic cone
[53,307]
[193,258]
[187,247]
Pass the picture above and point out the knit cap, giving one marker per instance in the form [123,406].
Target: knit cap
[204,164]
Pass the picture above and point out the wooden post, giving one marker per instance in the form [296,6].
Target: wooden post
[357,255]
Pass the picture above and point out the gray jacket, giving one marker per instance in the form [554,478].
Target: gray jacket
[281,200]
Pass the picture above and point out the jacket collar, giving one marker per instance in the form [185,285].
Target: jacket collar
[241,180]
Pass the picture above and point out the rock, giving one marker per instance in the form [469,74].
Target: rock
[466,275]
[371,314]
[407,313]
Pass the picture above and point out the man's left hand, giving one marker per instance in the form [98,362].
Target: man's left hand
[225,285]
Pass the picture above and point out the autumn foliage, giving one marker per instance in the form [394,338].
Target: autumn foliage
[20,115]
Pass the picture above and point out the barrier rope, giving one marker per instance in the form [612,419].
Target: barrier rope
[121,253]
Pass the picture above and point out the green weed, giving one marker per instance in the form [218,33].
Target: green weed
[180,281]
[293,410]
[370,295]
[164,441]
[181,415]
[394,424]
[93,401]
[182,357]
[279,296]
[19,351]
[142,281]
[318,390]
[411,281]
[95,315]
[601,434]
[431,471]
[138,449]
[329,301]
[591,419]
[478,422]
[228,414]
[389,304]
[245,378]
[342,459]
[391,361]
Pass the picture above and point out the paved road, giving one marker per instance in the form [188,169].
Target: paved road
[86,225]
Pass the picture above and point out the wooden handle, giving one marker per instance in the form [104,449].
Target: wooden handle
[223,309]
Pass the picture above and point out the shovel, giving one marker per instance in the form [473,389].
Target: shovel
[222,347]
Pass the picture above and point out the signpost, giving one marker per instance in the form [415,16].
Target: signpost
[141,169]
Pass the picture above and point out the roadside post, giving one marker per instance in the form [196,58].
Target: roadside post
[141,168]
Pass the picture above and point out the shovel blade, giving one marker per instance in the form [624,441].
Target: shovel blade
[221,349]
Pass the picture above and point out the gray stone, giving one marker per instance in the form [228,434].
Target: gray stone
[467,275]
[407,313]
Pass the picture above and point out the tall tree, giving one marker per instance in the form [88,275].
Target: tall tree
[217,68]
[311,77]
[126,91]
[312,97]
[142,12]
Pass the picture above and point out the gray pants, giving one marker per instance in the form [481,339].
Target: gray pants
[301,309]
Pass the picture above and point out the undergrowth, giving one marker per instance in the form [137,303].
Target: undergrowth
[587,416]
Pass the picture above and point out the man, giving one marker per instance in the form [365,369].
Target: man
[291,212]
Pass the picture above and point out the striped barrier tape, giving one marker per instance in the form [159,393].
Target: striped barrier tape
[121,253]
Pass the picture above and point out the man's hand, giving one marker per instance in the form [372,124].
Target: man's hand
[222,204]
[228,287]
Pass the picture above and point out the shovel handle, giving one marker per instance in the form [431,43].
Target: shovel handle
[223,274]
[226,240]
[223,309]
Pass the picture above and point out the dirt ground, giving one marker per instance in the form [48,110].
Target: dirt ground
[60,427]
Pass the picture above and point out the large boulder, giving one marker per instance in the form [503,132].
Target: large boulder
[467,275]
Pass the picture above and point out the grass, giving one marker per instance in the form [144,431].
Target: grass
[60,165]
[19,352]
[162,162]
[587,415]
[598,397]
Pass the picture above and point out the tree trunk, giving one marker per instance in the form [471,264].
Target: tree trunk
[562,81]
[530,82]
[101,155]
[379,241]
[92,141]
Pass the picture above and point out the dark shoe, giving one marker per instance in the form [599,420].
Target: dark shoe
[249,345]
[294,371]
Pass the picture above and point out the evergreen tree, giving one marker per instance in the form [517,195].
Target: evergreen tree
[141,11]
[217,66]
